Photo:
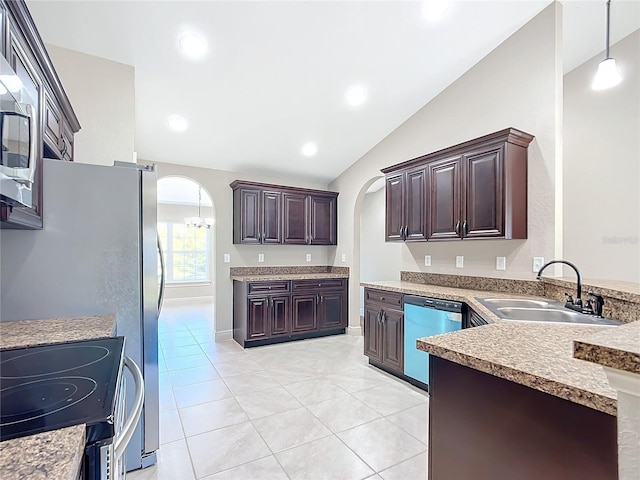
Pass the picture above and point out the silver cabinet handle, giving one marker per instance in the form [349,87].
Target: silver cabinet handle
[121,442]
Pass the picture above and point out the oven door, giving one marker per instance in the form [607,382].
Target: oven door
[104,460]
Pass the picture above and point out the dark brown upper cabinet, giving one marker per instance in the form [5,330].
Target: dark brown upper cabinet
[477,189]
[406,213]
[274,214]
[55,121]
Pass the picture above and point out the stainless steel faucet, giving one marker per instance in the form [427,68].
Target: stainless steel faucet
[577,305]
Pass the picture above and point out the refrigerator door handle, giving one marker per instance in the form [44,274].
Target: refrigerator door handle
[162,277]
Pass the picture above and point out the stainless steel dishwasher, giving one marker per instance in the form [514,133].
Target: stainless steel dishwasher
[425,317]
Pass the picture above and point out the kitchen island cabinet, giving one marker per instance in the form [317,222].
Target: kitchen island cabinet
[547,414]
[271,311]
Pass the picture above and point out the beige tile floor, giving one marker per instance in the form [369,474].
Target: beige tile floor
[308,410]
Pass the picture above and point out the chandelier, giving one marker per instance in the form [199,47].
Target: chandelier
[199,221]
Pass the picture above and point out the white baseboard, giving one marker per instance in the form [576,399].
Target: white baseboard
[357,331]
[188,300]
[224,335]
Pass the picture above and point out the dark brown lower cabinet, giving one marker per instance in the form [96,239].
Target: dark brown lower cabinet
[487,428]
[304,313]
[270,312]
[384,329]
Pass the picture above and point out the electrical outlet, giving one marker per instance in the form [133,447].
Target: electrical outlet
[501,263]
[538,262]
[427,260]
[344,257]
[227,258]
[261,257]
[459,261]
[308,257]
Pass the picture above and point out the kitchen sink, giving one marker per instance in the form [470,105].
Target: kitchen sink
[515,302]
[532,310]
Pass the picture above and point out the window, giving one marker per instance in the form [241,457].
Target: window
[186,252]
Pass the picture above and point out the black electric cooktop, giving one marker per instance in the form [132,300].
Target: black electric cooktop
[47,387]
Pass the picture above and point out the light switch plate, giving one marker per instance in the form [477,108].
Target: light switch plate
[227,258]
[308,257]
[538,262]
[261,257]
[501,263]
[344,257]
[427,260]
[460,261]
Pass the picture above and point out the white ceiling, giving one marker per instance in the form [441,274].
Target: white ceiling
[276,72]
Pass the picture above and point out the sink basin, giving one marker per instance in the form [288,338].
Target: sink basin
[515,302]
[539,314]
[531,310]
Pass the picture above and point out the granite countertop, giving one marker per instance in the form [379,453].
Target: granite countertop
[56,454]
[615,347]
[467,296]
[26,333]
[287,276]
[537,355]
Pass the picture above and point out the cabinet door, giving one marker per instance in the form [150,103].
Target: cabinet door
[246,221]
[332,310]
[372,333]
[444,199]
[271,216]
[394,207]
[323,227]
[279,316]
[257,318]
[67,143]
[53,136]
[483,204]
[416,205]
[295,219]
[393,339]
[304,313]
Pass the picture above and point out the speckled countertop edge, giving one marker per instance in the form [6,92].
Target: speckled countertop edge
[616,348]
[287,276]
[505,355]
[532,355]
[25,333]
[55,455]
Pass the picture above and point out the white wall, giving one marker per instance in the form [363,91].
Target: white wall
[379,260]
[102,93]
[177,213]
[602,168]
[519,85]
[216,183]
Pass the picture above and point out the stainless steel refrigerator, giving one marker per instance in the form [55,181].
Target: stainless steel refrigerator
[97,254]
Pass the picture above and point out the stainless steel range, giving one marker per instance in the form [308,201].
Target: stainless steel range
[47,387]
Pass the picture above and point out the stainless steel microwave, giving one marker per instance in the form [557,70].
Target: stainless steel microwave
[18,132]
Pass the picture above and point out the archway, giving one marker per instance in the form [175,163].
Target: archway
[186,226]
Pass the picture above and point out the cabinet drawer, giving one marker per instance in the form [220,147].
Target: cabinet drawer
[297,285]
[269,287]
[393,299]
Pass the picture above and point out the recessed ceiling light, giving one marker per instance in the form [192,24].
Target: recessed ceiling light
[356,95]
[434,9]
[309,149]
[177,123]
[193,46]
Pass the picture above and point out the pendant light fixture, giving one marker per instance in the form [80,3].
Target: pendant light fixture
[607,75]
[199,221]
